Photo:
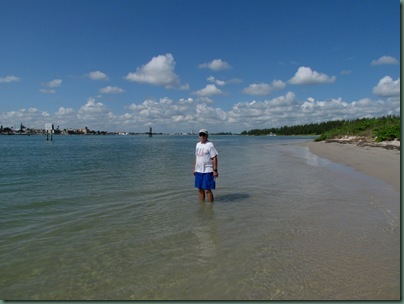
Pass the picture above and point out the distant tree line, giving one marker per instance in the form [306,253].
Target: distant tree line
[381,128]
[307,129]
[223,133]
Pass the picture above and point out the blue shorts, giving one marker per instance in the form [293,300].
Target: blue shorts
[205,181]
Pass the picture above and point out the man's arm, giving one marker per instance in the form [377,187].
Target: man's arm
[214,160]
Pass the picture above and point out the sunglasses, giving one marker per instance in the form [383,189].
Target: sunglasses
[202,134]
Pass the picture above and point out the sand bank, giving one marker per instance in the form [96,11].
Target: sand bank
[378,162]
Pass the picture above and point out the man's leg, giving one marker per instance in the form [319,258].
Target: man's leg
[209,194]
[201,195]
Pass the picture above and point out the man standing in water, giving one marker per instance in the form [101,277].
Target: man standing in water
[205,169]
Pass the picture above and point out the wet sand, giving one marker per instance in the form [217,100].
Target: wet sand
[373,161]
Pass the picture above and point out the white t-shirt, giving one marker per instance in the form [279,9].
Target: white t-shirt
[204,153]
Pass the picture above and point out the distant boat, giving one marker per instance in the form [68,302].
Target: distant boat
[123,133]
[271,134]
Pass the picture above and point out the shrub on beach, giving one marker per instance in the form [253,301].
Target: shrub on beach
[378,129]
[389,132]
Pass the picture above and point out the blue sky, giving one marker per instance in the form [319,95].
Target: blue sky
[179,65]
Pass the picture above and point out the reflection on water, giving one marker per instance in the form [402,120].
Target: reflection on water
[205,232]
[232,197]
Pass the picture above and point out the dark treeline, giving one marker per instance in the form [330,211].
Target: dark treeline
[322,127]
[308,129]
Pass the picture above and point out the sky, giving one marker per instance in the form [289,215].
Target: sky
[183,65]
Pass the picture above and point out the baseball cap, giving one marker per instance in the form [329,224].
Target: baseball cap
[204,131]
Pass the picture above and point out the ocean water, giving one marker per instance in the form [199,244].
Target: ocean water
[118,218]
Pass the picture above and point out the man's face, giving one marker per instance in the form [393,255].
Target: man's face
[203,137]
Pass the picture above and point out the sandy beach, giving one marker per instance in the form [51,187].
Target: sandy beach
[373,161]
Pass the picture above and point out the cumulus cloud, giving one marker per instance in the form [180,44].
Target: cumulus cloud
[47,91]
[8,79]
[387,87]
[167,114]
[92,107]
[186,114]
[67,118]
[158,71]
[268,113]
[215,65]
[222,82]
[385,60]
[209,90]
[31,117]
[95,114]
[64,111]
[337,108]
[306,75]
[216,81]
[111,90]
[161,112]
[186,100]
[258,89]
[97,75]
[264,88]
[53,83]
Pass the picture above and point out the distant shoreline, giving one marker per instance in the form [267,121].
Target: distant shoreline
[373,160]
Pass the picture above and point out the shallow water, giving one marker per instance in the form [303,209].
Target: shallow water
[117,217]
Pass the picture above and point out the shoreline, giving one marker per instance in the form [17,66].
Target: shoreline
[376,161]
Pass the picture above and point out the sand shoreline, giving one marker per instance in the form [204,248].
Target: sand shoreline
[377,161]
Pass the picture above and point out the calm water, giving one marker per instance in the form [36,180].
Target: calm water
[117,217]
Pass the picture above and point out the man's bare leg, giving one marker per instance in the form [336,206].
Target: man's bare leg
[209,194]
[201,195]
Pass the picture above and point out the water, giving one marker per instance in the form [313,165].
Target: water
[117,217]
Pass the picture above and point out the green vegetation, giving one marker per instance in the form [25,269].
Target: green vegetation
[308,129]
[378,129]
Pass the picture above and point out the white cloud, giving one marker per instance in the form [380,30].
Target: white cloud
[95,115]
[47,91]
[208,115]
[387,87]
[158,71]
[184,114]
[53,84]
[337,109]
[64,111]
[8,79]
[111,90]
[186,100]
[92,107]
[216,81]
[264,88]
[221,83]
[209,90]
[97,75]
[306,75]
[275,112]
[31,118]
[67,118]
[385,60]
[162,112]
[258,89]
[215,65]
